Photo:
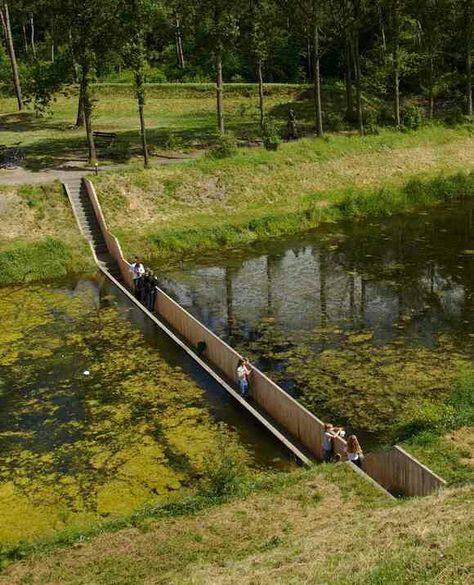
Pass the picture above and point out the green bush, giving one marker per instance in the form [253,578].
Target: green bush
[271,134]
[120,151]
[225,147]
[371,122]
[335,121]
[170,140]
[224,467]
[455,116]
[412,116]
[426,416]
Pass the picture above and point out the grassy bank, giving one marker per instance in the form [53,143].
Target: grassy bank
[168,213]
[39,238]
[441,435]
[297,531]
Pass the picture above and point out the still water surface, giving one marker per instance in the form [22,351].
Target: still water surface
[355,318]
[100,413]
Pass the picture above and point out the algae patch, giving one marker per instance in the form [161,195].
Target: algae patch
[76,448]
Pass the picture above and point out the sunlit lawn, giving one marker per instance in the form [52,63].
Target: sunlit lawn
[177,120]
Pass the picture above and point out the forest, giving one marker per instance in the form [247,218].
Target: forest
[398,61]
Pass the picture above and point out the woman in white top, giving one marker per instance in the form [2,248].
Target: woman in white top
[354,451]
[330,433]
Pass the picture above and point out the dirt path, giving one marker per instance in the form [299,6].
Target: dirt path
[72,170]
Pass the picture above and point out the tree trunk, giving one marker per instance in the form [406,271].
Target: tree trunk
[309,51]
[261,105]
[468,18]
[382,32]
[179,43]
[431,98]
[87,107]
[140,92]
[219,90]
[80,106]
[348,82]
[25,39]
[52,52]
[396,62]
[358,79]
[32,36]
[5,18]
[318,110]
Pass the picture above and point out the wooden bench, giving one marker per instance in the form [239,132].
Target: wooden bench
[105,136]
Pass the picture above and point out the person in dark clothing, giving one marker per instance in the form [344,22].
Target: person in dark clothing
[292,127]
[152,283]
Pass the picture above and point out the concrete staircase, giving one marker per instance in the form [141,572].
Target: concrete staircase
[90,226]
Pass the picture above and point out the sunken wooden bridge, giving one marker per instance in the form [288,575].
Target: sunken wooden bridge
[394,470]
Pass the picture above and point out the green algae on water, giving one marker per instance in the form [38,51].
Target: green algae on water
[75,447]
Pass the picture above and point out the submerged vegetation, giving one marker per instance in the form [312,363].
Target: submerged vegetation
[93,424]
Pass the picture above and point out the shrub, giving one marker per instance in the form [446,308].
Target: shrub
[426,416]
[455,117]
[271,134]
[412,116]
[224,467]
[225,147]
[170,140]
[120,151]
[372,122]
[335,121]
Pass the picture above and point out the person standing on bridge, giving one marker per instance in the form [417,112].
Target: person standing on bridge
[137,270]
[152,283]
[243,374]
[330,433]
[354,451]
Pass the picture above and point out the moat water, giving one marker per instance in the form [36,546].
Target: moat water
[101,414]
[360,320]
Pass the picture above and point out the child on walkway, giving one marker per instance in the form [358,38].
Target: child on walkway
[330,433]
[354,451]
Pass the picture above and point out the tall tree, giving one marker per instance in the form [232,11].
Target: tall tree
[221,17]
[353,15]
[469,24]
[7,35]
[314,13]
[262,16]
[394,11]
[92,39]
[136,19]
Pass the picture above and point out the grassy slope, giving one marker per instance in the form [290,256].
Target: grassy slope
[168,212]
[325,526]
[39,238]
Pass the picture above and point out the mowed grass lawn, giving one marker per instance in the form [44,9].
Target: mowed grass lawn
[178,118]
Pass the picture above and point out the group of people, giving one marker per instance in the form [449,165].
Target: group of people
[144,284]
[353,450]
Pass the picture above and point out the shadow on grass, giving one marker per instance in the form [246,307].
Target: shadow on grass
[195,130]
[30,122]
